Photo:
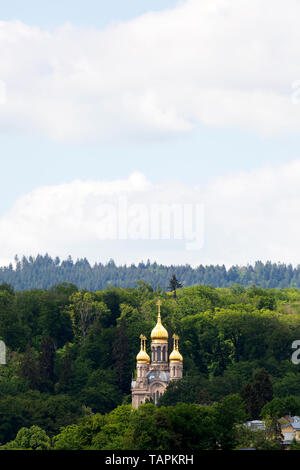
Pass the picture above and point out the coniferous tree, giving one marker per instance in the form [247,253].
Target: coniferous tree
[44,272]
[29,368]
[120,354]
[65,371]
[257,394]
[249,395]
[263,387]
[46,362]
[174,284]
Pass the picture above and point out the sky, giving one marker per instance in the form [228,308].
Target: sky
[162,130]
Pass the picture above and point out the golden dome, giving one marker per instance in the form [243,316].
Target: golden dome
[159,333]
[142,356]
[175,355]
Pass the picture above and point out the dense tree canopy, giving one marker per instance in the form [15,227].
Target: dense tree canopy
[71,354]
[42,272]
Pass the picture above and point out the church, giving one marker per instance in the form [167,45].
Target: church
[153,376]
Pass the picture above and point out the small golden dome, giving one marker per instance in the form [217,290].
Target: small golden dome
[142,356]
[175,355]
[159,333]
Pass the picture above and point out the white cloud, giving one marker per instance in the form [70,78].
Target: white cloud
[211,62]
[248,216]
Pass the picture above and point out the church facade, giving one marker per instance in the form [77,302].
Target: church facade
[153,376]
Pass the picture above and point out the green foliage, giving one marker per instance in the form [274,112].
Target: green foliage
[186,390]
[227,414]
[184,426]
[33,408]
[33,438]
[295,445]
[174,285]
[120,356]
[11,329]
[288,385]
[256,439]
[257,394]
[101,393]
[281,406]
[111,435]
[65,369]
[84,310]
[29,368]
[43,272]
[71,353]
[46,364]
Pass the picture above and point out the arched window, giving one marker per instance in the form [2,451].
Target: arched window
[159,353]
[157,396]
[164,353]
[154,397]
[153,355]
[174,371]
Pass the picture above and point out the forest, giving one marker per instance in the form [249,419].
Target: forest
[42,272]
[71,356]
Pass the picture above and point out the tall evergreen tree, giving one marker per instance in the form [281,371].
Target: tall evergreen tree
[174,285]
[249,395]
[65,370]
[46,362]
[120,353]
[29,368]
[263,387]
[257,394]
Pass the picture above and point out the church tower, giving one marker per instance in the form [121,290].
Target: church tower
[175,360]
[159,344]
[142,368]
[152,378]
[143,360]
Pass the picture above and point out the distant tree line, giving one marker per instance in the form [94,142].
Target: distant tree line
[42,272]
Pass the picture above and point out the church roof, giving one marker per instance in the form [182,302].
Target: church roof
[161,375]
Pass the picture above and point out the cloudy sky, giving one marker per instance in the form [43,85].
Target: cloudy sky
[110,111]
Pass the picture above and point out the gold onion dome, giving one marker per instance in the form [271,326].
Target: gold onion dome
[142,356]
[175,355]
[159,333]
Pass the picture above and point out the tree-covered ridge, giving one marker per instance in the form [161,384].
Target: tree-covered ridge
[42,272]
[71,354]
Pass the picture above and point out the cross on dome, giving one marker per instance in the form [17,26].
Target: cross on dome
[159,333]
